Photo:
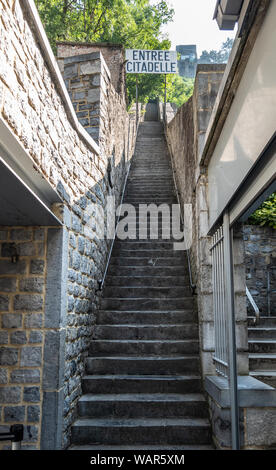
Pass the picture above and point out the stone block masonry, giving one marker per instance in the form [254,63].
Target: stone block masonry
[260,261]
[22,338]
[113,55]
[100,109]
[48,297]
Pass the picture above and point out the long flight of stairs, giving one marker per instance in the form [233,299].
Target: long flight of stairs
[142,388]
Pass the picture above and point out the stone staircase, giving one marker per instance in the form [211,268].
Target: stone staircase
[262,349]
[142,388]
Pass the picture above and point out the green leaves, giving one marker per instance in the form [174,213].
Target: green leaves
[266,214]
[136,24]
[132,23]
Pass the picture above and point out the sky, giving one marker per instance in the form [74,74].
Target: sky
[193,24]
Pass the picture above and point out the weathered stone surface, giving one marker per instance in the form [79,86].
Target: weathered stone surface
[10,394]
[4,303]
[36,337]
[18,337]
[31,394]
[14,414]
[31,356]
[260,253]
[4,337]
[33,320]
[3,376]
[221,425]
[25,376]
[8,356]
[28,302]
[32,284]
[37,266]
[7,284]
[261,427]
[6,267]
[33,413]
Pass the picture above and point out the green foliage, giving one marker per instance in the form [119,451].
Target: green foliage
[132,23]
[136,24]
[217,57]
[266,214]
[179,89]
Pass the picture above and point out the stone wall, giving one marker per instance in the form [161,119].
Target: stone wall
[113,55]
[22,297]
[257,412]
[186,135]
[49,298]
[260,262]
[101,111]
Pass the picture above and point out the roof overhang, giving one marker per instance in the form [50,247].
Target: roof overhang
[227,13]
[26,197]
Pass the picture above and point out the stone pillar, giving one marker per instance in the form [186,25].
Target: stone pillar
[207,84]
[86,78]
[54,346]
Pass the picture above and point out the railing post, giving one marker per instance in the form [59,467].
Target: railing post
[230,317]
[17,431]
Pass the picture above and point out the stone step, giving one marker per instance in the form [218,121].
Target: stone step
[135,200]
[263,321]
[145,179]
[262,361]
[147,261]
[160,167]
[149,281]
[148,270]
[143,365]
[172,431]
[147,303]
[262,346]
[266,376]
[151,292]
[141,405]
[150,254]
[144,332]
[146,218]
[141,233]
[150,193]
[137,189]
[154,317]
[142,183]
[153,245]
[145,173]
[148,187]
[262,332]
[140,347]
[141,384]
[140,164]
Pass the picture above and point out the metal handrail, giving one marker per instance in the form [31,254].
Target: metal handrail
[15,436]
[101,281]
[254,305]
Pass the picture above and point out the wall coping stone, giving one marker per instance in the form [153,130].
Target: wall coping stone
[252,393]
[38,29]
[75,59]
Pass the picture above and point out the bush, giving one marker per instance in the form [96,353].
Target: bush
[266,214]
